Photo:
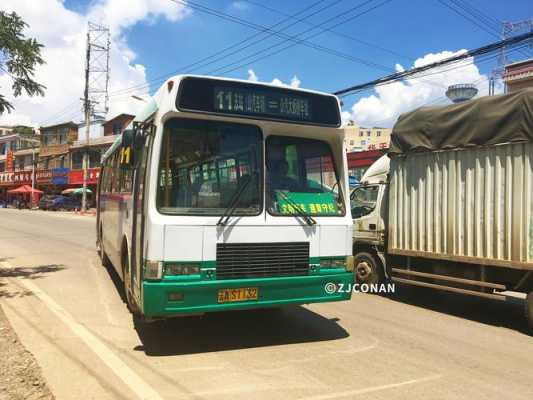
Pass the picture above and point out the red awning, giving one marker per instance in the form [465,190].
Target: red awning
[24,189]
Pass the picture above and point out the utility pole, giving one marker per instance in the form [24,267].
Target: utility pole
[507,29]
[95,96]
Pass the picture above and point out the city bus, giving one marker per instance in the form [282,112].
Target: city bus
[227,195]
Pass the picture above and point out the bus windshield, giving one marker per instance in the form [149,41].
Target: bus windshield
[301,176]
[203,164]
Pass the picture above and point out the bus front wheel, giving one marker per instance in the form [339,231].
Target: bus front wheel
[126,278]
[101,250]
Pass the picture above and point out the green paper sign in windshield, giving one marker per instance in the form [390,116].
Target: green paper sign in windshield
[310,203]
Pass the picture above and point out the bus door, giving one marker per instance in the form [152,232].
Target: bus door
[139,202]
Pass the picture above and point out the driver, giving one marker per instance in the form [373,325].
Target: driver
[279,179]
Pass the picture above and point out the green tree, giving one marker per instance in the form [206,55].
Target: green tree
[18,57]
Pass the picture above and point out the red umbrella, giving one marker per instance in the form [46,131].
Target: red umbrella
[24,189]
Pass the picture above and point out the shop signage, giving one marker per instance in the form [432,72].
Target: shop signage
[75,177]
[10,161]
[24,177]
[43,176]
[60,176]
[6,178]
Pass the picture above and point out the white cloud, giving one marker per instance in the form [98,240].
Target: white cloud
[63,34]
[252,76]
[383,107]
[295,81]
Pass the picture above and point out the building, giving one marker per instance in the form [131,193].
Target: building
[116,125]
[97,147]
[518,75]
[360,161]
[55,155]
[55,144]
[358,138]
[96,129]
[5,129]
[19,149]
[14,141]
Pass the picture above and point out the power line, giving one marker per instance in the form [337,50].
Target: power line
[483,21]
[490,48]
[369,63]
[325,49]
[439,99]
[463,12]
[224,50]
[292,38]
[336,33]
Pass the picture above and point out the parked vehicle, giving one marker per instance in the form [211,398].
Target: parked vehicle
[46,201]
[451,206]
[64,203]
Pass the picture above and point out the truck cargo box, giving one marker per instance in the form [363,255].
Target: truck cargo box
[466,195]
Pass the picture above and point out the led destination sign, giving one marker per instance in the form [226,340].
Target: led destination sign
[274,104]
[251,100]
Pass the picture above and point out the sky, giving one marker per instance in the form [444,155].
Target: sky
[323,45]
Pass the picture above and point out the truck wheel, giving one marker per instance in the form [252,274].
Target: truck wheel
[367,269]
[529,310]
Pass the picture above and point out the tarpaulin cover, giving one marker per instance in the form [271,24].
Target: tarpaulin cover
[488,120]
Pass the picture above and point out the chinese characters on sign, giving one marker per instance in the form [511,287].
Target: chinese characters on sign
[24,177]
[76,177]
[10,162]
[312,208]
[240,101]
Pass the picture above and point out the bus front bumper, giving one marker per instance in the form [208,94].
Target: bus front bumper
[202,296]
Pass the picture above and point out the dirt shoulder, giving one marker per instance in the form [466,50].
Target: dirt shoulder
[20,376]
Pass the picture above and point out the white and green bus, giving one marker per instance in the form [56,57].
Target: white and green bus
[226,195]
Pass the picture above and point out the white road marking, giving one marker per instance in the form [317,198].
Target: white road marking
[137,385]
[356,392]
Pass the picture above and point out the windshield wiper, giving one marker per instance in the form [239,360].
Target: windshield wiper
[228,212]
[301,213]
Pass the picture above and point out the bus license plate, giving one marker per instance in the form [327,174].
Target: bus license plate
[239,294]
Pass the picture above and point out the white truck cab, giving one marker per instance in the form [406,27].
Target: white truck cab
[369,212]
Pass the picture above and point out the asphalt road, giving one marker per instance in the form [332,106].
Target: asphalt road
[417,344]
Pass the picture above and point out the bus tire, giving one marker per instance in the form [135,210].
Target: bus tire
[106,262]
[126,279]
[529,310]
[367,269]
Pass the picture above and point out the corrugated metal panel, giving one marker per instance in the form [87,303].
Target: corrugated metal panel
[473,205]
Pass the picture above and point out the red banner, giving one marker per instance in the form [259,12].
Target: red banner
[76,177]
[10,162]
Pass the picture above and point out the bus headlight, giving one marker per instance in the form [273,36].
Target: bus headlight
[182,269]
[153,269]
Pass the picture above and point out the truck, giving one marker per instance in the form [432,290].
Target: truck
[450,206]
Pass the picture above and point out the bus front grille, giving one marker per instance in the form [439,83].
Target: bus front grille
[262,260]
